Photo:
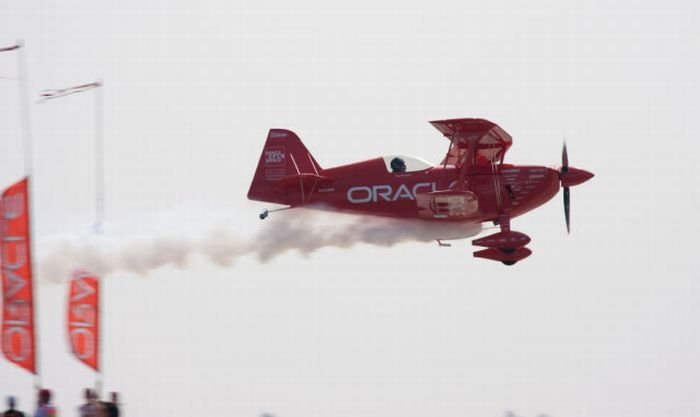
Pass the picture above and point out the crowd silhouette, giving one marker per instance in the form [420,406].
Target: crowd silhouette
[93,406]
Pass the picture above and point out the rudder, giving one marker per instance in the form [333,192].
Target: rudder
[283,155]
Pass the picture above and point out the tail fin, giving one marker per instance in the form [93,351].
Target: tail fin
[283,156]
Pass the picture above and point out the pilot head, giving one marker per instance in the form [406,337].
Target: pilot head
[44,396]
[398,165]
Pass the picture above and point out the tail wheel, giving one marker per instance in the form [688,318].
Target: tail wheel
[508,251]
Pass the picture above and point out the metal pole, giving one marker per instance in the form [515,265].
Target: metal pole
[99,159]
[99,216]
[24,108]
[98,378]
[98,128]
[28,170]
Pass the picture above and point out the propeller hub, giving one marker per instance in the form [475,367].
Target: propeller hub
[571,176]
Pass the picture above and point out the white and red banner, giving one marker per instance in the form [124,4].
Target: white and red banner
[18,343]
[83,318]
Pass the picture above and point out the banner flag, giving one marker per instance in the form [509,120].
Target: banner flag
[18,343]
[83,318]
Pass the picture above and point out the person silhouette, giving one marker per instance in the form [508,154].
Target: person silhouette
[44,407]
[92,407]
[112,407]
[398,165]
[11,412]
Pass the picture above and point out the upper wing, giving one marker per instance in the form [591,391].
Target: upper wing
[487,140]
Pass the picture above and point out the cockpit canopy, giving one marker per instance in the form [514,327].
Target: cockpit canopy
[411,163]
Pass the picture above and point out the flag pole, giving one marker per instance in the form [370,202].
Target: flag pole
[98,225]
[28,171]
[99,158]
[24,106]
[99,216]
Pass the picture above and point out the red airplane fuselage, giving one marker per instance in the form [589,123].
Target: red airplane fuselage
[472,185]
[369,188]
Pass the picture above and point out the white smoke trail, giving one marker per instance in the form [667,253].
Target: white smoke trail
[302,230]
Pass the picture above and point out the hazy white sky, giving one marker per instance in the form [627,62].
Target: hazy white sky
[603,322]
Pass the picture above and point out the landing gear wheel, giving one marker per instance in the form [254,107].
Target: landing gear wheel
[509,263]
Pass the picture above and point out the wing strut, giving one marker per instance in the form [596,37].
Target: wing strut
[467,163]
[444,163]
[506,246]
[497,185]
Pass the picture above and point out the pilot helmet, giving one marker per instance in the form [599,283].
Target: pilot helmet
[398,165]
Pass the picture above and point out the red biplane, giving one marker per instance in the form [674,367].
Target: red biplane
[472,184]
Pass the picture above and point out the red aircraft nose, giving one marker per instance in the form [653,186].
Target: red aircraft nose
[571,176]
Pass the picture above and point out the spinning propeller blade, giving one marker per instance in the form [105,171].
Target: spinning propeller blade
[567,215]
[567,198]
[568,177]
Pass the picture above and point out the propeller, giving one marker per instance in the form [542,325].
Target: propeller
[570,176]
[567,197]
